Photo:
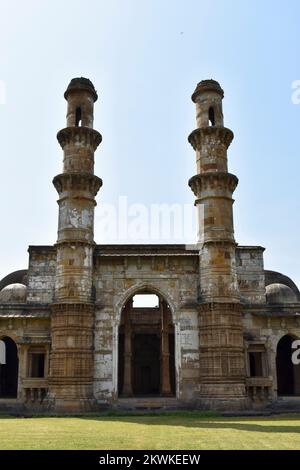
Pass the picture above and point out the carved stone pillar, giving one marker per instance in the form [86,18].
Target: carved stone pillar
[127,385]
[165,353]
[22,372]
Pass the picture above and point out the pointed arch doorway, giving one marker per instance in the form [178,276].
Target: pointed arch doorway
[146,351]
[288,374]
[9,367]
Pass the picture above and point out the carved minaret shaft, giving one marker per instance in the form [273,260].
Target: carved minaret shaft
[221,342]
[73,310]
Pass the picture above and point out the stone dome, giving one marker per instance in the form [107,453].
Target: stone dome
[13,293]
[280,294]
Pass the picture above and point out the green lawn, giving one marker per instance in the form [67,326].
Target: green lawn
[173,431]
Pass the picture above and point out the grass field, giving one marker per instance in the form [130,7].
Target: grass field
[171,431]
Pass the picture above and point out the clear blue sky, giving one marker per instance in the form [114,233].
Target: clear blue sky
[145,58]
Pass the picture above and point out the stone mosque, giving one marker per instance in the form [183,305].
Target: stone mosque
[73,336]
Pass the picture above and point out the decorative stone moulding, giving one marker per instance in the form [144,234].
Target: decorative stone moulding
[77,182]
[211,135]
[209,180]
[74,308]
[74,242]
[219,243]
[231,307]
[83,135]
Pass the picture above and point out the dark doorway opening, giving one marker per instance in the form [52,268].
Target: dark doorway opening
[146,373]
[9,370]
[288,374]
[146,354]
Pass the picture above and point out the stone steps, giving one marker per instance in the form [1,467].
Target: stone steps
[290,404]
[10,405]
[148,403]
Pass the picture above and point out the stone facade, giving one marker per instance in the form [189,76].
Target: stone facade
[220,336]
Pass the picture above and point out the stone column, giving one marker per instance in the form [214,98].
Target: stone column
[222,363]
[165,353]
[127,383]
[22,372]
[72,320]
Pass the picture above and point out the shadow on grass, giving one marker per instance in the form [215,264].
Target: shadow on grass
[213,423]
[192,419]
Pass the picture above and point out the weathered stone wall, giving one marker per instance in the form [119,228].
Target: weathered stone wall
[250,271]
[41,274]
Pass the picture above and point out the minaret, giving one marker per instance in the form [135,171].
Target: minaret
[222,369]
[71,364]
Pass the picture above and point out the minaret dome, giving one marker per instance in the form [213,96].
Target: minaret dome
[208,97]
[80,96]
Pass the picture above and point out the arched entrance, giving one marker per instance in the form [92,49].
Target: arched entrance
[9,369]
[146,356]
[288,374]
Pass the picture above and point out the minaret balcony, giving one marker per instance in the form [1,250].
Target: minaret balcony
[78,184]
[213,184]
[85,136]
[210,136]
